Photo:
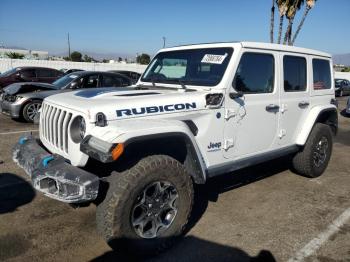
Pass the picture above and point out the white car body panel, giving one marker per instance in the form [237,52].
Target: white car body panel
[227,133]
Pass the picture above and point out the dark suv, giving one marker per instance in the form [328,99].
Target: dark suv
[29,74]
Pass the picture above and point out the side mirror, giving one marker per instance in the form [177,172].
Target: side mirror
[234,95]
[73,85]
[19,76]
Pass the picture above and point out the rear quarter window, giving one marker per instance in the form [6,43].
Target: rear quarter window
[322,74]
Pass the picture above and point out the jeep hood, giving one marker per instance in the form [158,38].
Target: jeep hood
[124,103]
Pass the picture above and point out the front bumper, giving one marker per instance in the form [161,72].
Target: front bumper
[11,109]
[52,175]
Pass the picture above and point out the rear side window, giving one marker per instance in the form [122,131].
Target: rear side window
[322,74]
[294,71]
[46,73]
[255,73]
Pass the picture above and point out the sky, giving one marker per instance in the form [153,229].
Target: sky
[129,26]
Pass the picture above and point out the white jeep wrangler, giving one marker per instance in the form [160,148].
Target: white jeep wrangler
[197,112]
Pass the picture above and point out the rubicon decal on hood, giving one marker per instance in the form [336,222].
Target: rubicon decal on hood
[155,109]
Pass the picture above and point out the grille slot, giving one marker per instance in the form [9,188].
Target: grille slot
[54,123]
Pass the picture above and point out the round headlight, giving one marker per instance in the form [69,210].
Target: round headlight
[78,129]
[82,127]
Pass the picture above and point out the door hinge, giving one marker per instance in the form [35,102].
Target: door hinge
[282,133]
[229,113]
[228,144]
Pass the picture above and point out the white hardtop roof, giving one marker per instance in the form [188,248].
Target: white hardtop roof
[253,45]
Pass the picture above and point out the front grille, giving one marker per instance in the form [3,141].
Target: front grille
[54,124]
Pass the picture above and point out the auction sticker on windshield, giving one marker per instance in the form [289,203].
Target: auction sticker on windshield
[214,59]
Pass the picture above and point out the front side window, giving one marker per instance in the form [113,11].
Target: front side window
[91,81]
[201,67]
[322,74]
[113,81]
[255,74]
[294,71]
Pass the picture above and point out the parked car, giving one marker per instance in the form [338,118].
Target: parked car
[342,87]
[68,71]
[24,99]
[131,74]
[29,74]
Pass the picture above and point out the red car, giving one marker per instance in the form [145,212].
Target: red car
[29,74]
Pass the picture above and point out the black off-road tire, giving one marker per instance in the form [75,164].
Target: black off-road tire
[114,213]
[25,110]
[303,162]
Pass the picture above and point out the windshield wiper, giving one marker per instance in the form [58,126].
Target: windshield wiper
[182,84]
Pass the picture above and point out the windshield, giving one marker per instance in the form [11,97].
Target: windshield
[64,81]
[202,67]
[9,72]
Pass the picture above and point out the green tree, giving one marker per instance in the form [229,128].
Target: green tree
[105,60]
[14,55]
[120,59]
[76,56]
[143,59]
[309,5]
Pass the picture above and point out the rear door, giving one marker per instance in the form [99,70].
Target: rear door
[46,75]
[295,98]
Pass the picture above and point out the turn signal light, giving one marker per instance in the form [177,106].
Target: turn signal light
[117,151]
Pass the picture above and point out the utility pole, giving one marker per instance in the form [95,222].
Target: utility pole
[164,39]
[68,47]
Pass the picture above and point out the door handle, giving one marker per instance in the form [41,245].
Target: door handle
[304,104]
[272,108]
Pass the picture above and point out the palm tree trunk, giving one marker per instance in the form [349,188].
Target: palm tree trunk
[272,21]
[280,30]
[288,34]
[307,9]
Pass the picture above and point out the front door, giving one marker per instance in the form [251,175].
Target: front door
[251,121]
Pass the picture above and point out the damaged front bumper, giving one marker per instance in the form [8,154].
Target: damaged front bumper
[52,175]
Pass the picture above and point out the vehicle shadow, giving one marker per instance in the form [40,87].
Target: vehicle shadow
[14,192]
[194,249]
[211,190]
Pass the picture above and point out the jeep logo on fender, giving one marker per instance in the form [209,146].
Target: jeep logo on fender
[155,109]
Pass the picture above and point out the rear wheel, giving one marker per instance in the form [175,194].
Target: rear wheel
[30,110]
[146,207]
[313,160]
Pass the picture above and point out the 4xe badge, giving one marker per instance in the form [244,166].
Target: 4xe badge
[214,147]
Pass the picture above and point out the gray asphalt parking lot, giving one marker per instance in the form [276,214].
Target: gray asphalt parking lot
[264,211]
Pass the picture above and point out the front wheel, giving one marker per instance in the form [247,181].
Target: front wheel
[30,110]
[313,160]
[146,207]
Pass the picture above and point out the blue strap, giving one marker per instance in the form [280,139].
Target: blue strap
[22,140]
[46,160]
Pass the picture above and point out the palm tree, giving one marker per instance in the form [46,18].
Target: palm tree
[293,7]
[282,8]
[272,20]
[309,5]
[14,55]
